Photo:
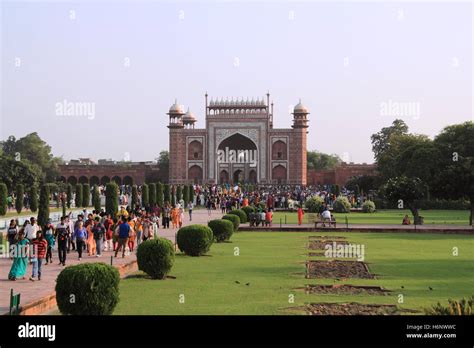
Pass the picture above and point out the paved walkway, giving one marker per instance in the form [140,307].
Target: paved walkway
[32,291]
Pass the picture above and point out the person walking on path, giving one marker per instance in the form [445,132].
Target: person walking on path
[12,232]
[20,258]
[123,231]
[31,229]
[300,215]
[80,234]
[62,235]
[48,235]
[190,210]
[39,252]
[91,247]
[98,231]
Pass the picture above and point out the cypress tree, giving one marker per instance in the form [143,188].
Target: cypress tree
[191,193]
[78,199]
[63,204]
[111,198]
[86,195]
[3,199]
[96,198]
[20,191]
[179,193]
[134,196]
[186,194]
[159,194]
[68,195]
[152,194]
[173,196]
[43,211]
[145,196]
[167,194]
[33,198]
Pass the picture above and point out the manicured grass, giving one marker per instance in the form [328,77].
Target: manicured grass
[272,262]
[443,217]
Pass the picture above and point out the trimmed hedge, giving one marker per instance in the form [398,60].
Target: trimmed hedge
[155,257]
[111,198]
[43,211]
[33,198]
[20,191]
[86,195]
[368,206]
[341,205]
[222,229]
[88,289]
[3,199]
[96,198]
[194,240]
[234,219]
[241,214]
[78,199]
[313,204]
[248,210]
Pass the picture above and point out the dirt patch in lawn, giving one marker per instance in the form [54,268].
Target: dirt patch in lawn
[326,237]
[337,269]
[345,289]
[316,253]
[320,244]
[352,308]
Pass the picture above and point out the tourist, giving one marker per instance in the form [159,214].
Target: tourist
[209,206]
[122,231]
[20,258]
[91,246]
[190,210]
[71,242]
[147,229]
[326,216]
[268,217]
[62,234]
[263,216]
[80,234]
[98,230]
[31,229]
[166,216]
[406,220]
[300,215]
[109,232]
[39,252]
[115,237]
[49,236]
[132,234]
[181,216]
[175,217]
[138,228]
[12,232]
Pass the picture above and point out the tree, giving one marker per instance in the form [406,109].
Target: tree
[78,199]
[363,183]
[63,204]
[68,195]
[179,193]
[111,198]
[15,172]
[159,194]
[319,160]
[20,192]
[167,193]
[455,175]
[152,194]
[405,192]
[3,199]
[43,212]
[191,193]
[134,196]
[173,196]
[381,141]
[33,195]
[145,196]
[86,195]
[164,163]
[96,198]
[185,194]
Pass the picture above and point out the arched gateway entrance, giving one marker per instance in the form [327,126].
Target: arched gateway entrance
[237,159]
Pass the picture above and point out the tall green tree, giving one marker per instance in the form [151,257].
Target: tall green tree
[78,198]
[152,194]
[455,175]
[164,164]
[63,204]
[179,193]
[381,141]
[134,196]
[43,211]
[15,172]
[191,193]
[319,160]
[68,195]
[405,192]
[159,194]
[185,194]
[20,192]
[96,198]
[145,196]
[86,195]
[111,199]
[33,195]
[3,199]
[167,193]
[173,195]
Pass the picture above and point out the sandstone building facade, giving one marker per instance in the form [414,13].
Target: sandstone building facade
[237,145]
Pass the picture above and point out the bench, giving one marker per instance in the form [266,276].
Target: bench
[323,223]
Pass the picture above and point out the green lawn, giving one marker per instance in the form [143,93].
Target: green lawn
[454,217]
[272,262]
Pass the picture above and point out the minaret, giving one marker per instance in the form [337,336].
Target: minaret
[298,150]
[175,114]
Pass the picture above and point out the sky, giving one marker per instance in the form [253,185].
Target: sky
[356,65]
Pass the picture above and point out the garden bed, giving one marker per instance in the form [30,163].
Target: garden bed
[337,269]
[352,308]
[345,289]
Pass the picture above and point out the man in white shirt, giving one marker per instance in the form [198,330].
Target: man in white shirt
[31,229]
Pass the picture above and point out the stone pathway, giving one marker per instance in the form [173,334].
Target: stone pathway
[32,291]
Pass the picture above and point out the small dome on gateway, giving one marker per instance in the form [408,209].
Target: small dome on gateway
[189,116]
[176,108]
[300,108]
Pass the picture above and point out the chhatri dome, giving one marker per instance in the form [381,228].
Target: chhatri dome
[176,108]
[300,108]
[189,116]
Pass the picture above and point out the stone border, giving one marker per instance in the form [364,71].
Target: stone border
[362,229]
[48,302]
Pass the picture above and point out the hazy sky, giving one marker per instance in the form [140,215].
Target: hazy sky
[352,64]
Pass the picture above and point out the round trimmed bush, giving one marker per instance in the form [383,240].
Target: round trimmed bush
[342,205]
[155,257]
[234,219]
[195,240]
[313,204]
[368,206]
[241,214]
[88,289]
[222,229]
[248,210]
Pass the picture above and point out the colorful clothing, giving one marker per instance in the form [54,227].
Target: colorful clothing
[20,260]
